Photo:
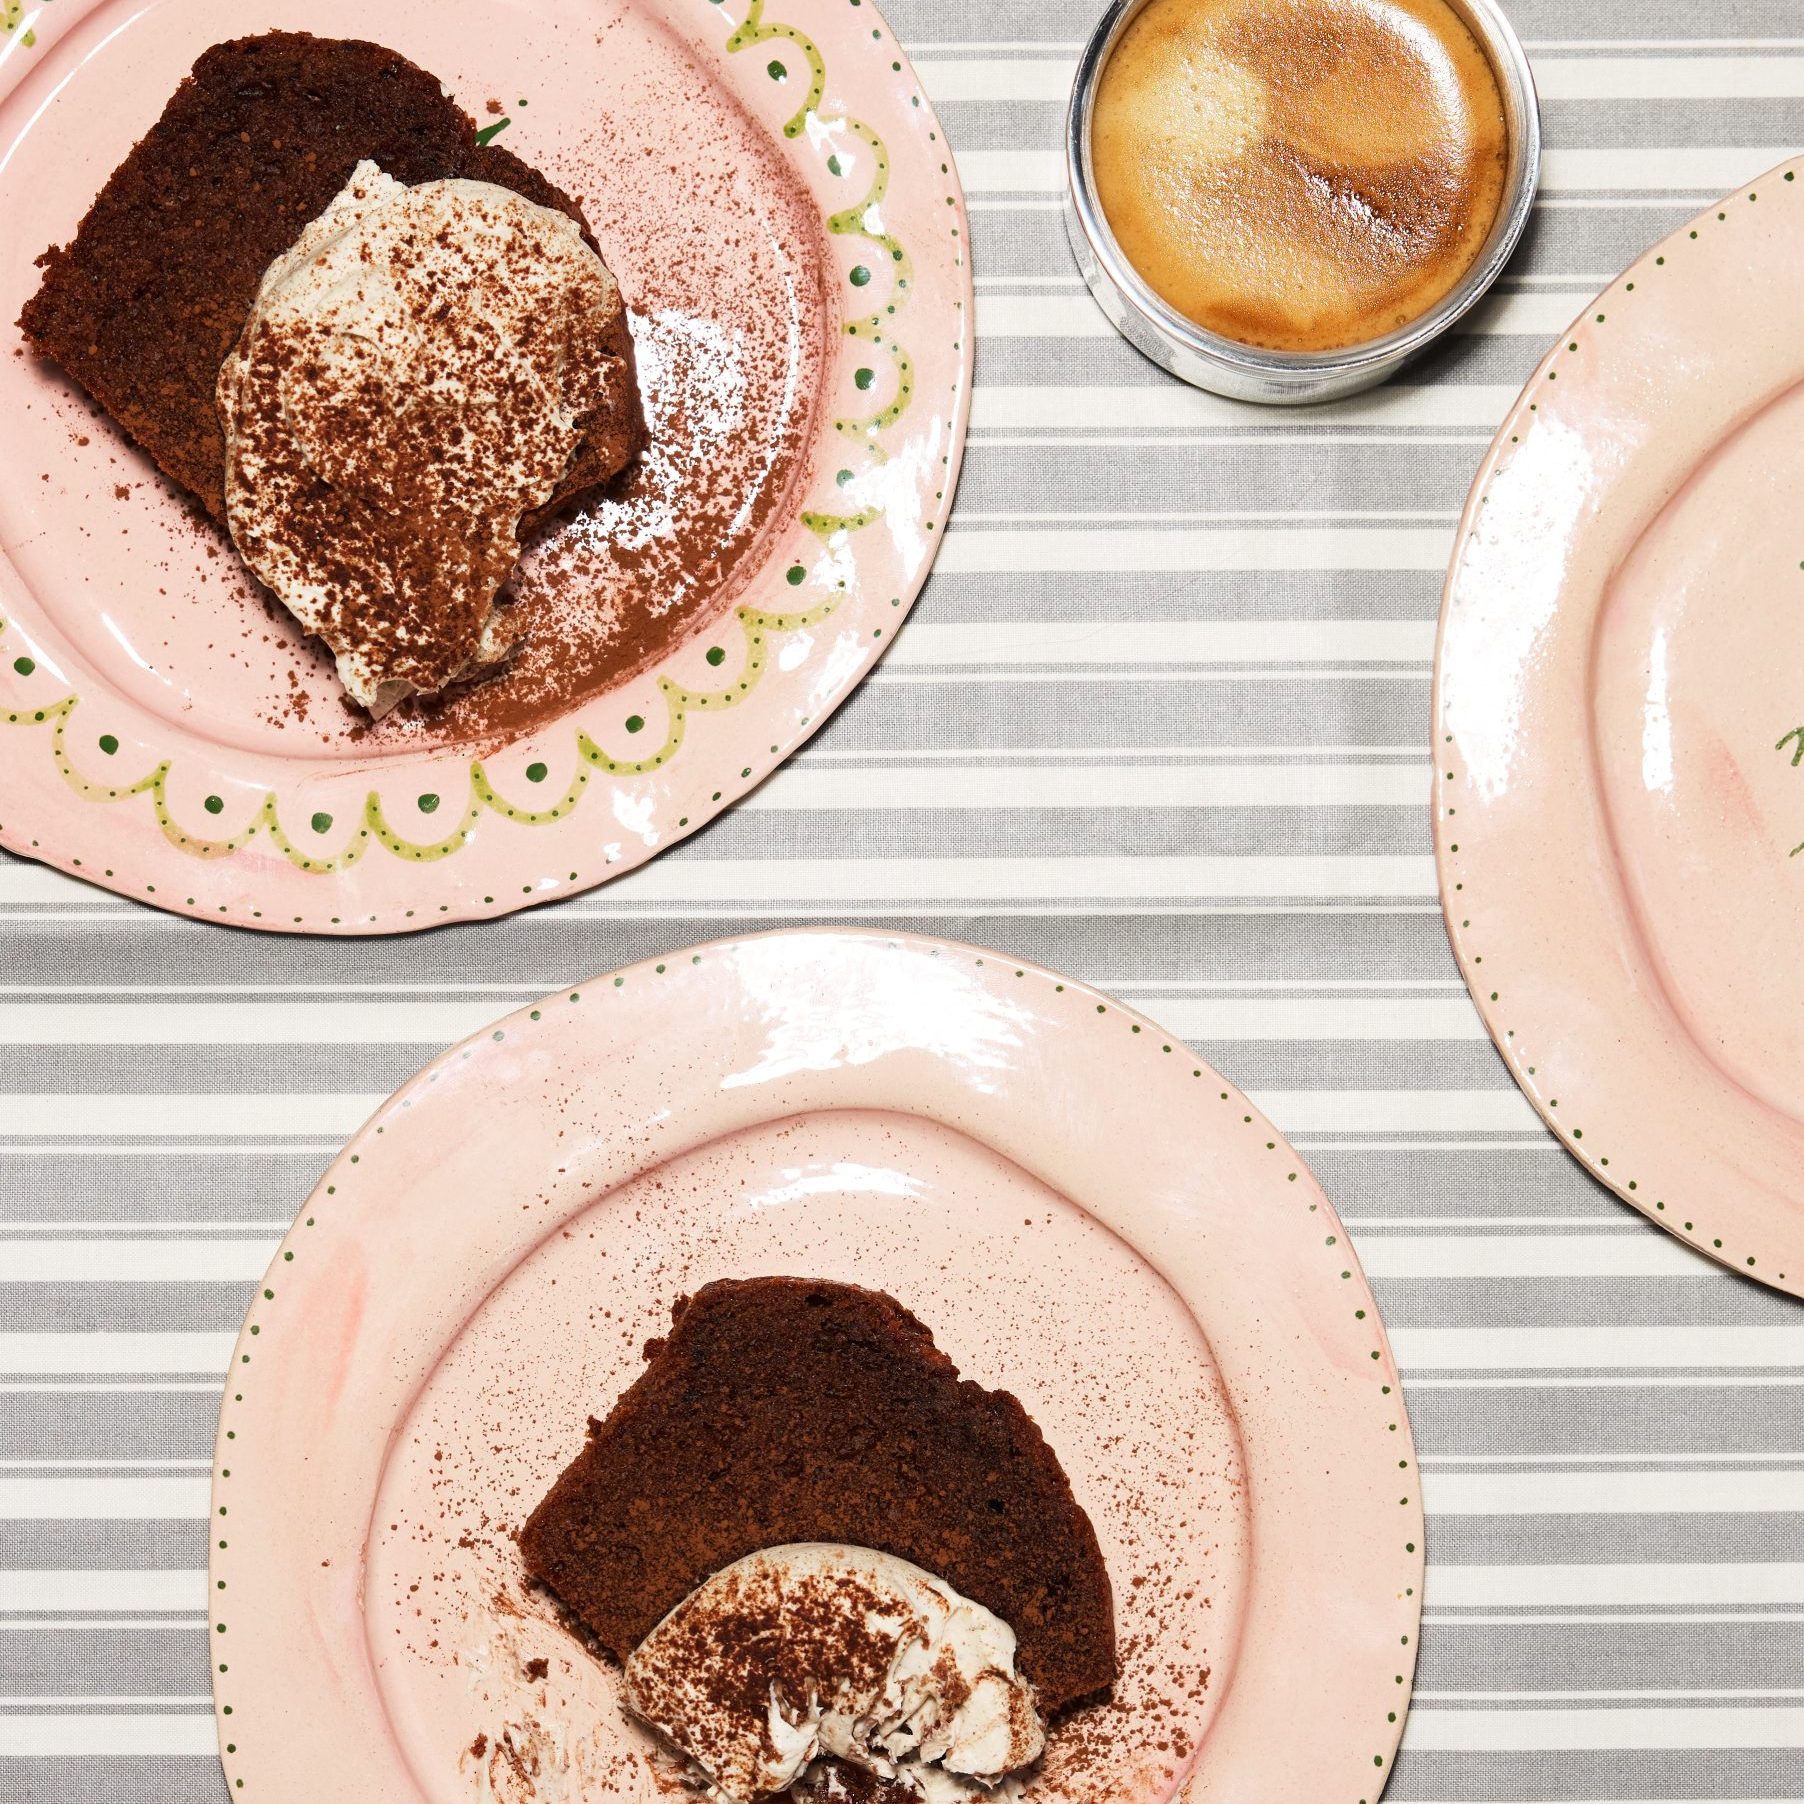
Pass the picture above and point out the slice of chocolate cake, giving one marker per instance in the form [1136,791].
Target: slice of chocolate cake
[785,1410]
[144,305]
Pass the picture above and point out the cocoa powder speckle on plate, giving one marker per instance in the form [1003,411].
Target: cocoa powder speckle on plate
[1122,1388]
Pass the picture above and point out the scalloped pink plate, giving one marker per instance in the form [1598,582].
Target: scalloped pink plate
[1079,1209]
[802,270]
[1620,744]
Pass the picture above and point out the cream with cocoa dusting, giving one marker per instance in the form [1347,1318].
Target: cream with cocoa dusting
[795,1662]
[412,381]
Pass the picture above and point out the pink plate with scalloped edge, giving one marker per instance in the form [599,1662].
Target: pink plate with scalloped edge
[768,182]
[1619,820]
[1078,1208]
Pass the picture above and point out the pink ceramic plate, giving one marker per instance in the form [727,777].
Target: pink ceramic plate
[1077,1207]
[773,190]
[1620,760]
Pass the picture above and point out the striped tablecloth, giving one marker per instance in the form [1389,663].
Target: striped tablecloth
[1159,720]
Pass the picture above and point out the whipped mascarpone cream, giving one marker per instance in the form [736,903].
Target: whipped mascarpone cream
[412,380]
[797,1654]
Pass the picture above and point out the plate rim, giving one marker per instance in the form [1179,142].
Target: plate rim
[1360,1773]
[1710,1224]
[269,859]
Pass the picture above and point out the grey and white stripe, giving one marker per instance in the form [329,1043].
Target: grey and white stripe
[1160,720]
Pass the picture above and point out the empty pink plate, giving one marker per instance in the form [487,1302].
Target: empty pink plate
[1619,818]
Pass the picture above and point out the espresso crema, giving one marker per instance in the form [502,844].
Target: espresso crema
[1302,175]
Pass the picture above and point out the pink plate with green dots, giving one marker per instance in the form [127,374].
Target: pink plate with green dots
[1079,1209]
[1619,739]
[770,186]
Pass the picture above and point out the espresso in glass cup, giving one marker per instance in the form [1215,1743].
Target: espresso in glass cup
[1284,198]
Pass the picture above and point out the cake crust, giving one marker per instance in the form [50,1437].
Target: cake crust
[144,304]
[784,1409]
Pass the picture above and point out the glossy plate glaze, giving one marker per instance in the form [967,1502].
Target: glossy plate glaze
[1079,1209]
[1620,735]
[773,190]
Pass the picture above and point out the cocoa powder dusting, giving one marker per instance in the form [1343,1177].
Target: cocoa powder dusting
[722,260]
[760,1641]
[717,246]
[412,382]
[1127,1395]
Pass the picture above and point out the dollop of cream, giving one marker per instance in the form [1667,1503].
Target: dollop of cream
[815,1651]
[412,380]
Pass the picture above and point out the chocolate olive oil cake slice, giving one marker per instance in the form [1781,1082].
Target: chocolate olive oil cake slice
[144,305]
[378,352]
[783,1410]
